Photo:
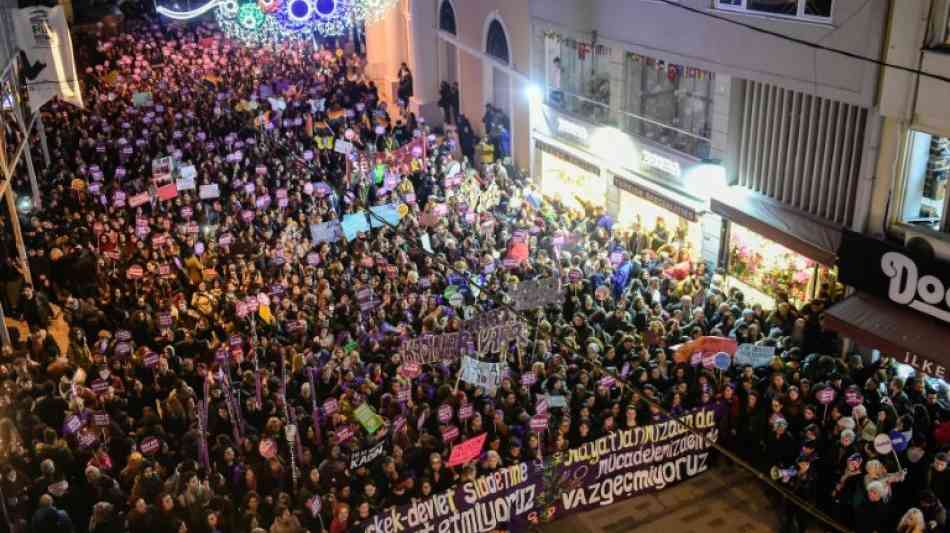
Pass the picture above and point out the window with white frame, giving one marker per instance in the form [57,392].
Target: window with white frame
[925,181]
[806,9]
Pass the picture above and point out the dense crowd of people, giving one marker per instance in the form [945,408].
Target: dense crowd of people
[217,358]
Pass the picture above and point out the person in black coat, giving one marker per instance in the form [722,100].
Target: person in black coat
[405,91]
[781,447]
[49,519]
[874,515]
[466,138]
[34,307]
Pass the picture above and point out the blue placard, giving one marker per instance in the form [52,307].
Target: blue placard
[354,224]
[899,441]
[387,213]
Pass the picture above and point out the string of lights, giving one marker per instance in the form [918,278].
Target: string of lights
[269,22]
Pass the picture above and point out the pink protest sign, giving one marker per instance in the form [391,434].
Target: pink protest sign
[467,450]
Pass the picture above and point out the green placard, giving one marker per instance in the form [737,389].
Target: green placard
[368,418]
[350,346]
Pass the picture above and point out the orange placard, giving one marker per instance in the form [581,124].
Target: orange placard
[683,352]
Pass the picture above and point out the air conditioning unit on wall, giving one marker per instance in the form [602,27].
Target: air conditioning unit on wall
[914,238]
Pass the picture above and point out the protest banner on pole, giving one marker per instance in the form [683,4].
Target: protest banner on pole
[481,374]
[610,469]
[354,224]
[368,418]
[751,354]
[209,192]
[367,456]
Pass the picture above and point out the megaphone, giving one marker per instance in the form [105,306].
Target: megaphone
[784,474]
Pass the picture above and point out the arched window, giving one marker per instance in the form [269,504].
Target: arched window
[447,17]
[496,45]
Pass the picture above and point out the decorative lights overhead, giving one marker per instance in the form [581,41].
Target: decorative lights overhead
[275,21]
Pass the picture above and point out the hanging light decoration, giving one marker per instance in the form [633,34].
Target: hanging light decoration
[372,10]
[249,23]
[275,21]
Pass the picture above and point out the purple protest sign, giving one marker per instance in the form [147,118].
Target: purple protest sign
[151,359]
[607,382]
[450,433]
[445,413]
[99,386]
[330,406]
[87,439]
[466,412]
[826,396]
[150,445]
[541,408]
[344,434]
[539,423]
[72,424]
[101,419]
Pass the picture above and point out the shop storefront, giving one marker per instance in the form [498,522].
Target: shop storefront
[775,253]
[646,210]
[901,306]
[569,178]
[643,186]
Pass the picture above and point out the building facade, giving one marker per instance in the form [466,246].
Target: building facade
[736,122]
[897,269]
[484,46]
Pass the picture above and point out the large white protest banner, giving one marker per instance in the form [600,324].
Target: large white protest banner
[50,68]
[481,374]
[751,354]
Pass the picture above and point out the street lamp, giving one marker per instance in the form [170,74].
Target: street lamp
[24,205]
[708,179]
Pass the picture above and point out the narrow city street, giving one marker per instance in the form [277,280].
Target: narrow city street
[720,500]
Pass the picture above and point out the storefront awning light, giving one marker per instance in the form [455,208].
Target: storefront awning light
[708,178]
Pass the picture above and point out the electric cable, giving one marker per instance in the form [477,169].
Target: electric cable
[803,42]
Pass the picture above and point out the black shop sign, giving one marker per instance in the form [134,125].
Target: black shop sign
[896,273]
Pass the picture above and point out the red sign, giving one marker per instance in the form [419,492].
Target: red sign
[466,412]
[138,199]
[135,272]
[518,252]
[467,450]
[167,192]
